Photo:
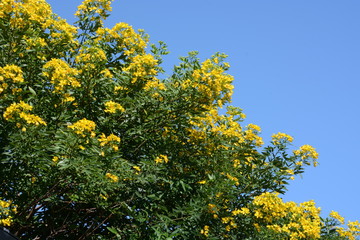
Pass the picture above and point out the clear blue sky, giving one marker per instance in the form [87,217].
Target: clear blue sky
[297,70]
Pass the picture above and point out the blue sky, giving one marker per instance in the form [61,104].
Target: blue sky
[296,66]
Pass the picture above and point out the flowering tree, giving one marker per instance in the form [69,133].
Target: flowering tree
[95,145]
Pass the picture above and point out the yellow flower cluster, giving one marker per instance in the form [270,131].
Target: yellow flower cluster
[161,158]
[137,168]
[131,41]
[306,152]
[113,107]
[120,88]
[296,221]
[89,57]
[214,123]
[212,82]
[125,37]
[226,126]
[20,109]
[100,7]
[202,182]
[337,216]
[22,13]
[243,211]
[61,74]
[281,137]
[230,223]
[351,232]
[36,43]
[31,118]
[68,98]
[154,83]
[112,177]
[5,210]
[212,208]
[8,75]
[232,178]
[61,31]
[106,73]
[353,228]
[251,134]
[83,126]
[55,159]
[142,66]
[16,108]
[205,231]
[112,139]
[12,72]
[18,11]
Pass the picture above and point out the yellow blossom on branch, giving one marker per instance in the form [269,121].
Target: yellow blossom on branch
[142,66]
[111,139]
[306,152]
[21,110]
[100,7]
[137,168]
[11,72]
[243,211]
[161,158]
[302,220]
[113,107]
[6,209]
[281,137]
[83,126]
[105,140]
[202,182]
[112,177]
[337,216]
[61,74]
[205,231]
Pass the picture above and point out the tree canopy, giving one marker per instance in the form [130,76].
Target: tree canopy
[96,143]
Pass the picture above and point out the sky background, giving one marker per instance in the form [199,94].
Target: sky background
[296,66]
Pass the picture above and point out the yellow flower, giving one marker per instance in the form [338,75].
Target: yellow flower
[112,107]
[104,197]
[100,7]
[243,211]
[83,126]
[32,119]
[254,127]
[112,177]
[11,72]
[337,216]
[6,208]
[281,137]
[20,109]
[232,178]
[61,74]
[302,221]
[205,231]
[142,66]
[137,168]
[306,152]
[6,222]
[161,158]
[111,138]
[202,182]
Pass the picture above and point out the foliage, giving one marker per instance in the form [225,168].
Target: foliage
[95,145]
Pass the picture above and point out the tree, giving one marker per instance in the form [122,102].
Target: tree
[95,145]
